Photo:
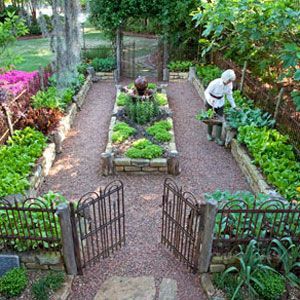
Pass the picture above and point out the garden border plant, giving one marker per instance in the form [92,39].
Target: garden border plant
[152,162]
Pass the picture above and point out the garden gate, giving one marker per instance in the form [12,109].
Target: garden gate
[141,58]
[98,223]
[182,224]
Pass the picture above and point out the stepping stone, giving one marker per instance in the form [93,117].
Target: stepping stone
[127,288]
[168,289]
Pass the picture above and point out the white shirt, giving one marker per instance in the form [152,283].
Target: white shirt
[219,89]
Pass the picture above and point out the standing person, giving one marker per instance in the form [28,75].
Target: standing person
[214,96]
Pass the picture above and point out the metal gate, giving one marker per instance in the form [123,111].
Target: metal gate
[140,58]
[98,224]
[182,223]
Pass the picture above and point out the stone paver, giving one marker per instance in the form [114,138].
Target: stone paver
[127,288]
[168,289]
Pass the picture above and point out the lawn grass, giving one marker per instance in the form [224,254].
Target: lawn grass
[37,52]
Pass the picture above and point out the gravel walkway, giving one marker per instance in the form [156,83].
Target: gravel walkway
[205,167]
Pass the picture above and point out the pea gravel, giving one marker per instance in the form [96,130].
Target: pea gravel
[205,167]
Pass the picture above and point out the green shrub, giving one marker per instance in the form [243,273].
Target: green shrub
[13,283]
[98,52]
[82,68]
[52,282]
[144,149]
[122,98]
[17,159]
[180,66]
[141,111]
[161,99]
[273,285]
[121,132]
[151,85]
[160,131]
[207,73]
[104,64]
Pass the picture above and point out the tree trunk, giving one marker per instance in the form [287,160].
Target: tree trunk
[2,5]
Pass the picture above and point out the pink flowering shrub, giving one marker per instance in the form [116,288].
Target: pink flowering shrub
[16,81]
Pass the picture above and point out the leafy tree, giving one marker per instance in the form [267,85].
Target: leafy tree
[265,33]
[10,29]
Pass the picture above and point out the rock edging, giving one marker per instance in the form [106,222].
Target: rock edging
[176,76]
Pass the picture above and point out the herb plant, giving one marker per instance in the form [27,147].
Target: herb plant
[121,132]
[143,148]
[122,98]
[13,283]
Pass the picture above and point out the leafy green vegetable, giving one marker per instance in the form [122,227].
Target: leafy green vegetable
[275,156]
[144,149]
[104,64]
[121,132]
[160,130]
[18,158]
[161,99]
[205,114]
[180,66]
[122,98]
[207,73]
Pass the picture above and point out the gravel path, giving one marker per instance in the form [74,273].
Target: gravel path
[205,167]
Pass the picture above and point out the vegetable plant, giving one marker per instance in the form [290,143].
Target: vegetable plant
[143,148]
[121,132]
[161,99]
[160,130]
[104,64]
[289,257]
[207,73]
[122,98]
[205,114]
[17,159]
[251,264]
[180,66]
[13,283]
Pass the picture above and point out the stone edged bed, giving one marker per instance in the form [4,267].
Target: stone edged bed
[253,176]
[45,162]
[111,164]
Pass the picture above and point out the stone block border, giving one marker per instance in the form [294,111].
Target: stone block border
[112,165]
[106,75]
[41,260]
[175,76]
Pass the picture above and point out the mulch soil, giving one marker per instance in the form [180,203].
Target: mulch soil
[205,167]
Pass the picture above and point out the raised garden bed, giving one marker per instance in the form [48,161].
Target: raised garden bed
[173,76]
[106,75]
[115,159]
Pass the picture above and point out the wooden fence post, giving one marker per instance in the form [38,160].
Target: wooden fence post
[173,163]
[209,218]
[119,53]
[243,76]
[63,212]
[279,99]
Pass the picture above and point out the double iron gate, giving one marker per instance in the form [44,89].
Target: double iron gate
[98,223]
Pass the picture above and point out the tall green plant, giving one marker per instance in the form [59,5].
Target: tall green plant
[250,265]
[289,256]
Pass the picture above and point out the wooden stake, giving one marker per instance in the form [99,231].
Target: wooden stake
[8,117]
[279,99]
[243,76]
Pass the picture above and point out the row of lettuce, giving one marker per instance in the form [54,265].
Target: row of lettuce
[18,156]
[270,149]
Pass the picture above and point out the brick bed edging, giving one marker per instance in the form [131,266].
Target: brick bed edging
[111,165]
[67,121]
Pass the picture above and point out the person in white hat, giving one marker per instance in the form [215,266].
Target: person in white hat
[215,99]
